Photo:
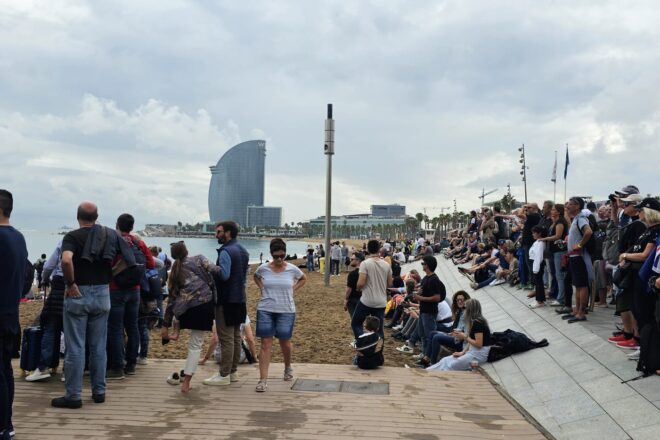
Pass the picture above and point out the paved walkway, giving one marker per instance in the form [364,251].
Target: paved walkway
[416,405]
[572,387]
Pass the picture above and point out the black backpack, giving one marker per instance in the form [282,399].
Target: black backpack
[133,275]
[591,244]
[29,278]
[649,350]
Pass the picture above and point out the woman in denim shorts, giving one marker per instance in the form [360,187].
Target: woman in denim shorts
[276,311]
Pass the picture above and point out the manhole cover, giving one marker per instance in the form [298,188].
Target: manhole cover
[341,386]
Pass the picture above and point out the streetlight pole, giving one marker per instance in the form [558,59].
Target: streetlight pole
[329,150]
[523,171]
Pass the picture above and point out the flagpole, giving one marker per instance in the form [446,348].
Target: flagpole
[554,198]
[565,174]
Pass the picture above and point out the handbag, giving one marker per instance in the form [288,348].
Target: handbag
[622,278]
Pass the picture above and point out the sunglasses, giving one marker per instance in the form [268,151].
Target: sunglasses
[278,256]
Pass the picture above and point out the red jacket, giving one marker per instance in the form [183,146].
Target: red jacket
[145,250]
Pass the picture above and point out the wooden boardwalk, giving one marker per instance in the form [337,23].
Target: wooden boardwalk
[420,405]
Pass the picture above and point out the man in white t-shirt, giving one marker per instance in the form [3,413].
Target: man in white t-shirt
[374,279]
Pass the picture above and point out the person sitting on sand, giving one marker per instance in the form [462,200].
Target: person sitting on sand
[369,346]
[191,301]
[476,343]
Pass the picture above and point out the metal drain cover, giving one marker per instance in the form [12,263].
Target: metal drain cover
[341,386]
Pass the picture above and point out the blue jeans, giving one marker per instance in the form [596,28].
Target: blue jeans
[438,339]
[123,316]
[560,276]
[9,329]
[50,342]
[425,326]
[86,320]
[360,314]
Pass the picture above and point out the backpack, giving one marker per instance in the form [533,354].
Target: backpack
[29,278]
[153,288]
[127,277]
[649,347]
[508,342]
[590,245]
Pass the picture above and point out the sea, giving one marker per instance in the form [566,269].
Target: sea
[43,242]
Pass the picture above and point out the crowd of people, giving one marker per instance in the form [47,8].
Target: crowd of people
[574,257]
[107,292]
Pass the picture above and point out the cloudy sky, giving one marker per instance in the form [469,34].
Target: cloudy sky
[128,103]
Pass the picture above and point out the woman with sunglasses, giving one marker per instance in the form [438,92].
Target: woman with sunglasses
[276,311]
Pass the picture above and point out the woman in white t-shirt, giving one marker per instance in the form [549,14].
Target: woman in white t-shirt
[276,311]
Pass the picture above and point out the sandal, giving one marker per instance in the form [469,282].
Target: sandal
[288,374]
[262,386]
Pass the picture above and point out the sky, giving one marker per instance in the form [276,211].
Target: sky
[128,103]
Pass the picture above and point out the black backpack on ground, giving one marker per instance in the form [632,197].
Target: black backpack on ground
[29,278]
[508,342]
[132,275]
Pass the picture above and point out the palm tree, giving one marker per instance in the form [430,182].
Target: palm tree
[420,217]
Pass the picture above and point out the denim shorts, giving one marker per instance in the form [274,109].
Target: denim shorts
[271,324]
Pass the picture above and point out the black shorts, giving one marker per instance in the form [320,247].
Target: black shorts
[624,301]
[579,274]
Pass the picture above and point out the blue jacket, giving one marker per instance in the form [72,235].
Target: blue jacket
[231,282]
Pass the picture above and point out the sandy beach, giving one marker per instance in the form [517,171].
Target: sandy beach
[322,331]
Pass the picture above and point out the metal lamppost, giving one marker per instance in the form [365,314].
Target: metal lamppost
[524,168]
[329,150]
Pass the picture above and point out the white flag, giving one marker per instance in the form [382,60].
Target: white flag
[554,171]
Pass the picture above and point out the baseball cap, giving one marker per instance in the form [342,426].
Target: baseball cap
[634,198]
[649,203]
[627,190]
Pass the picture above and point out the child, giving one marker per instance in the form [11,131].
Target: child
[538,267]
[369,346]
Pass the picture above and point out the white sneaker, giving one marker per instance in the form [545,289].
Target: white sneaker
[554,303]
[497,282]
[217,380]
[37,375]
[536,305]
[233,377]
[634,356]
[417,356]
[405,349]
[142,361]
[397,327]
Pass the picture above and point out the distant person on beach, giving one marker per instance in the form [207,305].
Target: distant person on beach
[230,313]
[375,277]
[369,346]
[191,301]
[353,295]
[344,256]
[51,317]
[39,267]
[13,259]
[310,260]
[86,258]
[276,310]
[335,258]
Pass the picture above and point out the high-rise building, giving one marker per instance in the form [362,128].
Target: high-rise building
[238,181]
[262,216]
[393,210]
